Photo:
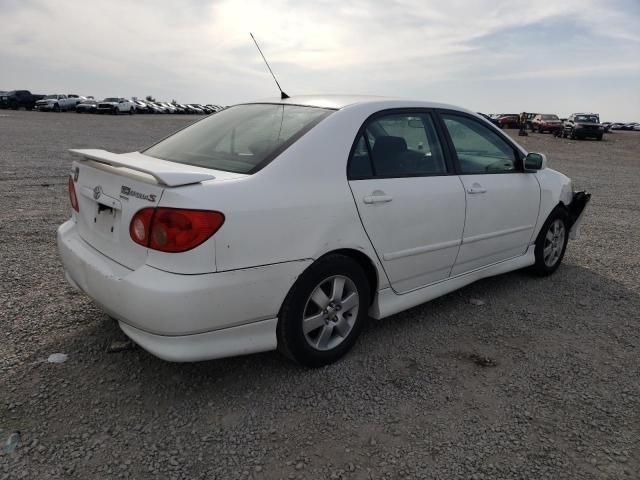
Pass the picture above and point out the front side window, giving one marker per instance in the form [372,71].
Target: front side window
[239,139]
[479,149]
[398,145]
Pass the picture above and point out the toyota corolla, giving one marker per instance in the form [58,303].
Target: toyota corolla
[289,223]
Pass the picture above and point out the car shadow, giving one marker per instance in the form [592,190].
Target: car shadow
[514,301]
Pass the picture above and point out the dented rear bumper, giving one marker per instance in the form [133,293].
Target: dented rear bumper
[577,207]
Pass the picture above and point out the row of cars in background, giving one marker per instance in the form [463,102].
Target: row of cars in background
[575,126]
[118,105]
[17,99]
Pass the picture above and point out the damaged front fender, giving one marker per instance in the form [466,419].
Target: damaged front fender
[577,208]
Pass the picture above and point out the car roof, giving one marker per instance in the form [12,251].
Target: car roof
[338,102]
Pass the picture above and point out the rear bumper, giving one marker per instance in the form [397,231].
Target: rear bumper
[182,317]
[241,340]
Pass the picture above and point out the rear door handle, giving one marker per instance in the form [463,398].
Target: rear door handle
[476,188]
[377,197]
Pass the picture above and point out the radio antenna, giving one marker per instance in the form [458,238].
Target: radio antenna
[283,95]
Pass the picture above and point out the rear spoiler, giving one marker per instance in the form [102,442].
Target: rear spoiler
[167,173]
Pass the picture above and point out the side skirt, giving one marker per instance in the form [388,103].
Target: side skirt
[387,302]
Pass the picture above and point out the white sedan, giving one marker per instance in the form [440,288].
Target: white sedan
[288,223]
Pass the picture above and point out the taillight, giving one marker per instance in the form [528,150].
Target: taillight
[174,229]
[73,198]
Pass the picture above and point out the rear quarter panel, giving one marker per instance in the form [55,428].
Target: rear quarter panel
[298,207]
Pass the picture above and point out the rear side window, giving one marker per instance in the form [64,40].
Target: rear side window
[397,145]
[240,139]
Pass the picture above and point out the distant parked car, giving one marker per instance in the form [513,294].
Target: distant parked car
[57,102]
[509,121]
[169,107]
[19,98]
[583,125]
[488,118]
[530,117]
[636,127]
[544,122]
[180,108]
[87,106]
[160,108]
[140,106]
[616,126]
[606,126]
[629,126]
[188,109]
[151,107]
[197,109]
[116,105]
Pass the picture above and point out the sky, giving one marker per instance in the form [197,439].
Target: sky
[492,56]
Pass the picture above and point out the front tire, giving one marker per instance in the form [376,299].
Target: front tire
[324,312]
[551,243]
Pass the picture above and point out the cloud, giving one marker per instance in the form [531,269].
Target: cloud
[200,50]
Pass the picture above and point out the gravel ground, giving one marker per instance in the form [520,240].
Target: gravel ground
[512,377]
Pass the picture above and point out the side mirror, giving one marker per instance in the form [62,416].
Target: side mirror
[534,162]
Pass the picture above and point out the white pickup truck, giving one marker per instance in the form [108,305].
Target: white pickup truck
[116,105]
[58,102]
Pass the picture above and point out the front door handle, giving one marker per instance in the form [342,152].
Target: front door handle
[377,197]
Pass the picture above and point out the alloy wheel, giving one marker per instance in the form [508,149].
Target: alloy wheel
[554,243]
[330,312]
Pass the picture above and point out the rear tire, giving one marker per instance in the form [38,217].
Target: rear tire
[56,108]
[551,243]
[324,312]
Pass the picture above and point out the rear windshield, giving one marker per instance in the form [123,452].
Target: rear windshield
[240,139]
[550,117]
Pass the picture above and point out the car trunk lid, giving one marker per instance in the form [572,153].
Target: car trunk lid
[111,188]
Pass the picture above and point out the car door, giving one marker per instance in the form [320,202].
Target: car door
[411,203]
[502,200]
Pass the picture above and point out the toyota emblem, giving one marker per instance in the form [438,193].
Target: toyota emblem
[97,192]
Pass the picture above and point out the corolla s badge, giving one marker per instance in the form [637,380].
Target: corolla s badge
[126,192]
[97,191]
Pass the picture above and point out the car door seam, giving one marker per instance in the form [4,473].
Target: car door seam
[464,226]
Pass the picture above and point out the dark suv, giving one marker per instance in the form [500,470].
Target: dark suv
[583,125]
[19,98]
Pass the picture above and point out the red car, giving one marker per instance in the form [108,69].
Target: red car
[509,121]
[546,122]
